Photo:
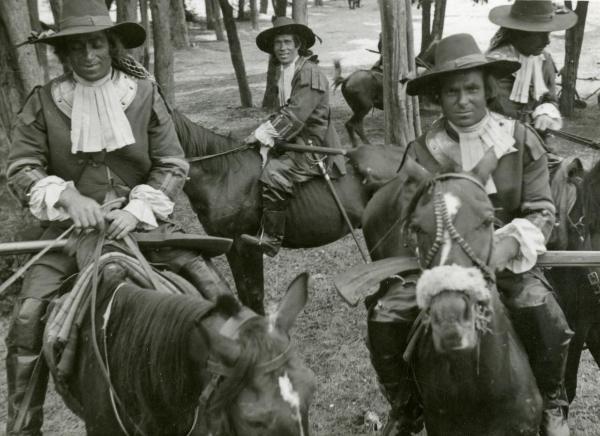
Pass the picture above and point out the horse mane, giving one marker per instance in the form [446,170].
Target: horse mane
[149,339]
[149,334]
[197,141]
[591,201]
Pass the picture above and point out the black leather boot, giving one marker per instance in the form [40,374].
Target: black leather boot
[271,234]
[24,343]
[546,335]
[201,273]
[386,343]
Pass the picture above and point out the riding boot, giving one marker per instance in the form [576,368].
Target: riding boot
[272,229]
[386,342]
[546,336]
[24,343]
[206,278]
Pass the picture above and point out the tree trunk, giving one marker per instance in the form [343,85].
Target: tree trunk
[218,22]
[241,15]
[425,24]
[179,30]
[414,116]
[280,7]
[210,15]
[145,58]
[127,10]
[15,15]
[300,11]
[237,59]
[41,49]
[318,2]
[264,6]
[573,42]
[163,51]
[254,14]
[437,29]
[12,90]
[56,8]
[109,4]
[390,39]
[270,99]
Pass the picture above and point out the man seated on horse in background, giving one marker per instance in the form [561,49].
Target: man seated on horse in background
[97,133]
[304,118]
[461,80]
[528,95]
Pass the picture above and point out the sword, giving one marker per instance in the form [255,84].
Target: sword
[340,206]
[574,138]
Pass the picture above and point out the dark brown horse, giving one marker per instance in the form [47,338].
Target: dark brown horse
[363,91]
[180,365]
[472,373]
[575,195]
[224,192]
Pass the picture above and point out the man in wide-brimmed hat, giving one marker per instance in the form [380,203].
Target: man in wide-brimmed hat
[100,132]
[529,94]
[303,117]
[461,80]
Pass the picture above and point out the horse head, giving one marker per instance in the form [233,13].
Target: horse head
[457,305]
[450,222]
[266,389]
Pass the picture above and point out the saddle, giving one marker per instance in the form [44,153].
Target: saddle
[66,314]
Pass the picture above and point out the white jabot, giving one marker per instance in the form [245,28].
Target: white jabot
[98,121]
[476,140]
[285,81]
[530,74]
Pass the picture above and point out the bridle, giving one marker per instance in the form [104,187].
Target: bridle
[443,223]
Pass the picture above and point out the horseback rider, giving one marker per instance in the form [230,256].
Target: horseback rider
[461,80]
[528,95]
[303,118]
[97,133]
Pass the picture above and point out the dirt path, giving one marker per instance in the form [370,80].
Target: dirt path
[329,334]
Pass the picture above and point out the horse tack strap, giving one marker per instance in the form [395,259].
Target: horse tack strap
[220,370]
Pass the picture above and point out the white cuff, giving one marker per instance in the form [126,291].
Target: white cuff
[531,244]
[266,134]
[550,110]
[147,203]
[43,197]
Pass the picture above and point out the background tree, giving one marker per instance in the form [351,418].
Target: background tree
[145,56]
[573,42]
[401,119]
[179,31]
[163,50]
[20,70]
[235,50]
[264,6]
[254,14]
[270,101]
[300,11]
[41,49]
[431,32]
[214,21]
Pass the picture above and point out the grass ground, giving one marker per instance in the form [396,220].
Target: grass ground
[328,333]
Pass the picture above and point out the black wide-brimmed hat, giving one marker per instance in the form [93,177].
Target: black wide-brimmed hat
[458,53]
[79,17]
[533,16]
[284,26]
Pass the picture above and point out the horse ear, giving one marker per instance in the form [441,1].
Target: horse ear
[415,170]
[293,302]
[486,165]
[225,349]
[575,169]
